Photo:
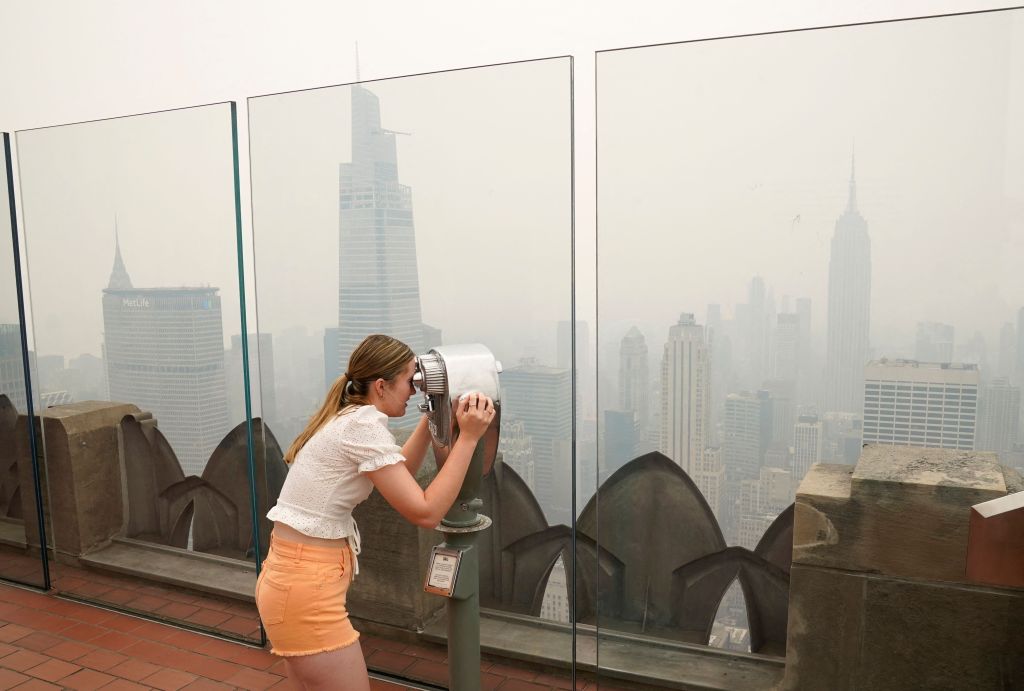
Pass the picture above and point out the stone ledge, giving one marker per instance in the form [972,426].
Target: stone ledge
[902,512]
[207,573]
[12,533]
[632,658]
[909,465]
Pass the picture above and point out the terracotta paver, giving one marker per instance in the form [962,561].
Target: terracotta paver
[521,685]
[68,650]
[124,685]
[207,685]
[133,670]
[252,680]
[9,678]
[23,660]
[428,670]
[53,670]
[86,680]
[100,660]
[38,641]
[169,679]
[505,670]
[12,632]
[389,661]
[36,685]
[50,643]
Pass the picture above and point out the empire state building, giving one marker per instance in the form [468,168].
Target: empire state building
[849,309]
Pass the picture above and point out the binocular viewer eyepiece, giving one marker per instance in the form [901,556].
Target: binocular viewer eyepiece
[443,375]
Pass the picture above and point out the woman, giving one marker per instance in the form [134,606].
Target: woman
[345,451]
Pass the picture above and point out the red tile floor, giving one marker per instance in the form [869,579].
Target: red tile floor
[47,642]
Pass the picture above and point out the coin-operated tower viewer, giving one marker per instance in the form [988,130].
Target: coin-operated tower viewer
[444,375]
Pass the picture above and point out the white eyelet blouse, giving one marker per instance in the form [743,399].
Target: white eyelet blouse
[327,479]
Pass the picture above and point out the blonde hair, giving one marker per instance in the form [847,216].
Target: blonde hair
[376,357]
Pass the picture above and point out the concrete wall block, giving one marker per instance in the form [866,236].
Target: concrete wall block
[861,631]
[823,646]
[83,472]
[938,636]
[903,511]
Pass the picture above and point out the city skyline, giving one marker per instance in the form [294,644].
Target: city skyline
[766,203]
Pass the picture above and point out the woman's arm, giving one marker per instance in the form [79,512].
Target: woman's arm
[415,448]
[426,507]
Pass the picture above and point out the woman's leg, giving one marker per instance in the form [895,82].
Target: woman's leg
[343,669]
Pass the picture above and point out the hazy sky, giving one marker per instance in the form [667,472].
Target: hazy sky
[8,297]
[488,158]
[722,160]
[117,57]
[166,178]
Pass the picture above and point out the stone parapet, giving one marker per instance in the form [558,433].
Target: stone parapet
[81,466]
[879,594]
[902,511]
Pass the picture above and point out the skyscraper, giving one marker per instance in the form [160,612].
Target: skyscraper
[910,403]
[710,478]
[262,378]
[564,337]
[378,286]
[998,417]
[685,394]
[164,351]
[1018,368]
[539,396]
[849,308]
[748,427]
[934,342]
[754,321]
[516,450]
[12,366]
[635,379]
[1007,351]
[761,500]
[807,386]
[787,354]
[807,445]
[620,441]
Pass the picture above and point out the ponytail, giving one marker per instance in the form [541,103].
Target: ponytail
[377,357]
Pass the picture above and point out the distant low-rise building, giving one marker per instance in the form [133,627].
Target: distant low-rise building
[911,403]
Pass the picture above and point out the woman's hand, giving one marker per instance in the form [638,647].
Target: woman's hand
[426,508]
[474,412]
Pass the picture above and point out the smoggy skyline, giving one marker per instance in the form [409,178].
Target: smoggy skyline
[737,170]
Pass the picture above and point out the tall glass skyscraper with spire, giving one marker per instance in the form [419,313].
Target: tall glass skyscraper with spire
[849,309]
[378,287]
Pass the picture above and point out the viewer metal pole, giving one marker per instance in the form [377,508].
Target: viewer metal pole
[461,526]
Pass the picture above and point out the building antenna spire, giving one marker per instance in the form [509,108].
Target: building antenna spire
[852,202]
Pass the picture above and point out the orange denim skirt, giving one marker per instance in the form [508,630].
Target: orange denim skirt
[300,594]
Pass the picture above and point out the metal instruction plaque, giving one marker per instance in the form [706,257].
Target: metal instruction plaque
[443,571]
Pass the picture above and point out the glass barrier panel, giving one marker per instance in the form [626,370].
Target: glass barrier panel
[21,559]
[808,241]
[132,233]
[437,209]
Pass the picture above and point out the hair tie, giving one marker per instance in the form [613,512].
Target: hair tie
[349,388]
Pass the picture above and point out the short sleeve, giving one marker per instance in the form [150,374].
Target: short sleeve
[371,443]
